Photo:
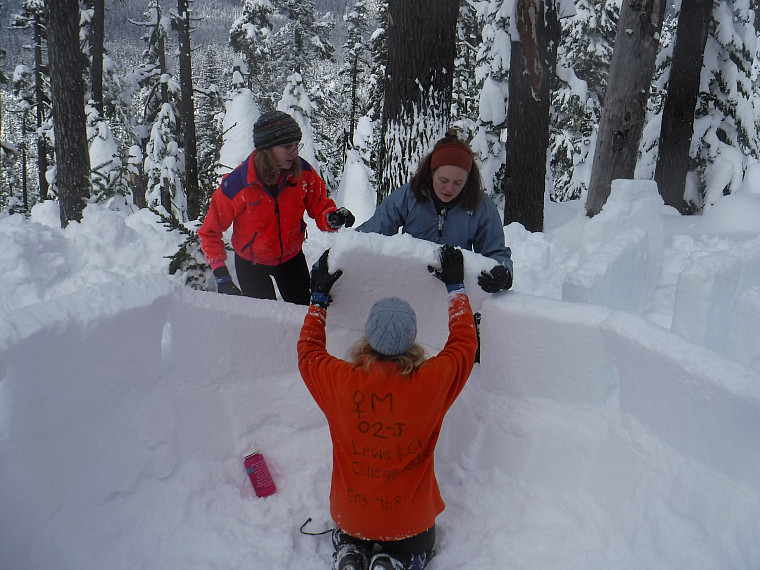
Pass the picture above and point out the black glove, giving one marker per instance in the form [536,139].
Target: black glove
[497,280]
[340,217]
[224,282]
[452,268]
[322,281]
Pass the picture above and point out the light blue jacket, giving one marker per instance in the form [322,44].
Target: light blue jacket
[480,230]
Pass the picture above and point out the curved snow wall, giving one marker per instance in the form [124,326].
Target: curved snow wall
[192,362]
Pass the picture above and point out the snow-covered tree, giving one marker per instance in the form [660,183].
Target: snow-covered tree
[163,165]
[153,79]
[296,102]
[33,17]
[583,64]
[96,50]
[376,84]
[356,66]
[492,77]
[464,99]
[186,109]
[418,84]
[105,164]
[303,37]
[725,131]
[251,35]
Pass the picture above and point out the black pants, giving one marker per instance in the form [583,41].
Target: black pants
[401,550]
[292,278]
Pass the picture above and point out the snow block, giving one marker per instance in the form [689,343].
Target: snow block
[615,276]
[199,316]
[631,262]
[743,338]
[706,407]
[707,290]
[551,350]
[404,260]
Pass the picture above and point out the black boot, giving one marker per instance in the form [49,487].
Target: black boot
[348,555]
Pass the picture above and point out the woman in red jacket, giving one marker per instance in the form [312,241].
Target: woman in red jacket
[264,199]
[385,410]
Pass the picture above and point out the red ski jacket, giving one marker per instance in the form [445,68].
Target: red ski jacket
[384,427]
[267,224]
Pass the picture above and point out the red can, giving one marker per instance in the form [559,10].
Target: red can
[258,472]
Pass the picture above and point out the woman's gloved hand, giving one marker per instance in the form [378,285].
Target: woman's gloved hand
[322,281]
[498,279]
[340,217]
[452,268]
[224,282]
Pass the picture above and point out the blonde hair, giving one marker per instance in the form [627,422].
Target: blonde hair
[363,356]
[266,165]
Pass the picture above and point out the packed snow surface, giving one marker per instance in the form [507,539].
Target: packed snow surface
[612,423]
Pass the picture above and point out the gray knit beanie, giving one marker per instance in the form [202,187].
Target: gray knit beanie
[391,326]
[275,128]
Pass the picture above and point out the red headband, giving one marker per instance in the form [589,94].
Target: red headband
[451,154]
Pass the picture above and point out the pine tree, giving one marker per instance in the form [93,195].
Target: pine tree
[464,99]
[163,165]
[241,113]
[33,16]
[251,35]
[356,67]
[95,43]
[376,82]
[682,92]
[296,102]
[66,70]
[186,110]
[584,55]
[418,85]
[105,164]
[24,93]
[303,49]
[210,141]
[492,77]
[725,125]
[532,65]
[153,79]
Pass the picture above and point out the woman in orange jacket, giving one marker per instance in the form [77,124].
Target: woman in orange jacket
[385,409]
[264,199]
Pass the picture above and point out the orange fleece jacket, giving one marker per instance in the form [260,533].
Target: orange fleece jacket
[385,426]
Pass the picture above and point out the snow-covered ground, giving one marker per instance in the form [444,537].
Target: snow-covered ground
[613,422]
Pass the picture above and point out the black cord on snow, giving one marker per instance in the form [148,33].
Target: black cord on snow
[313,533]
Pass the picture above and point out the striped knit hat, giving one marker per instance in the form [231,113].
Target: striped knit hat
[275,128]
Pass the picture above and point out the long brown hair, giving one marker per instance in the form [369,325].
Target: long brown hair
[422,181]
[363,356]
[266,166]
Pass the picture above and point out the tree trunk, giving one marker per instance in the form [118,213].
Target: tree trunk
[97,49]
[66,69]
[532,67]
[39,95]
[187,112]
[683,89]
[625,102]
[418,85]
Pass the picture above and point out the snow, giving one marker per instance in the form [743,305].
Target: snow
[612,422]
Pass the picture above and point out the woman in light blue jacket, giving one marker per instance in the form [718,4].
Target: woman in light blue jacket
[445,203]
